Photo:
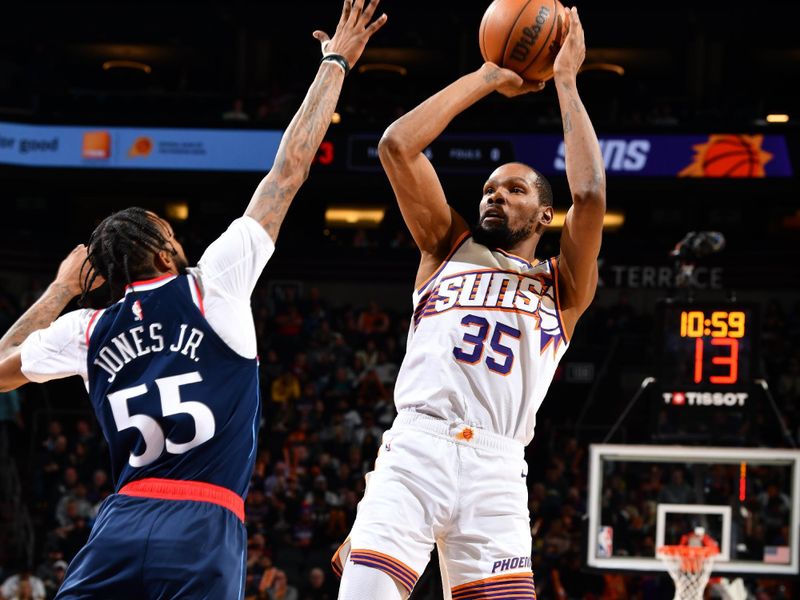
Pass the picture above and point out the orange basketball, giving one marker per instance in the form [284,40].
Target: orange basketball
[524,36]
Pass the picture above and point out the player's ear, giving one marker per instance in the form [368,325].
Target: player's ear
[546,216]
[163,262]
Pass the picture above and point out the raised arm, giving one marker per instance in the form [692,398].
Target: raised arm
[434,225]
[305,133]
[583,229]
[58,295]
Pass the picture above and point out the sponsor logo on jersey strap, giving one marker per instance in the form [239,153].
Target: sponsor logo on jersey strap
[497,290]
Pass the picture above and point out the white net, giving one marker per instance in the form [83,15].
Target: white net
[690,569]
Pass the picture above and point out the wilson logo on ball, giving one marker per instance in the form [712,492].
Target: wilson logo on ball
[529,36]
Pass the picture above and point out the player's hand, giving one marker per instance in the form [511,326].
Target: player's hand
[573,51]
[507,82]
[354,30]
[71,271]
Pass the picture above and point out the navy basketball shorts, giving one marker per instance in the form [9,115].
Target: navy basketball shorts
[459,487]
[153,548]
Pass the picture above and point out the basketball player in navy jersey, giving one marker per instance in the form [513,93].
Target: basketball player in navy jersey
[171,369]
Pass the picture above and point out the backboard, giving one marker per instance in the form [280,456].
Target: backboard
[643,497]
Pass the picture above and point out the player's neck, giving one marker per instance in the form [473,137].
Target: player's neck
[526,249]
[156,274]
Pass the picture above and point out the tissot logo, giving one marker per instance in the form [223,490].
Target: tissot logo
[625,156]
[705,398]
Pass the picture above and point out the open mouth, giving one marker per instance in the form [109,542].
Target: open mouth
[493,216]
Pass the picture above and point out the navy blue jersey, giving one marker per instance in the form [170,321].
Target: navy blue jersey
[173,399]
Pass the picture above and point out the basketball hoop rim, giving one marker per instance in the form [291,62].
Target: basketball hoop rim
[687,551]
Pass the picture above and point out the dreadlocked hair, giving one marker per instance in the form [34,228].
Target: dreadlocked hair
[121,249]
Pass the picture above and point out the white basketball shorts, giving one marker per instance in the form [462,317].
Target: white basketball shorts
[459,487]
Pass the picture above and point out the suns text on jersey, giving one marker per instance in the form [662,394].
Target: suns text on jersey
[141,341]
[487,289]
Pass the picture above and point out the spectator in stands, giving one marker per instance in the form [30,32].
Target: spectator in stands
[280,589]
[368,428]
[373,320]
[99,489]
[677,491]
[317,586]
[73,504]
[236,112]
[23,586]
[73,531]
[285,389]
[52,570]
[54,577]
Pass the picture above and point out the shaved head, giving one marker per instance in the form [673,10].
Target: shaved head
[535,178]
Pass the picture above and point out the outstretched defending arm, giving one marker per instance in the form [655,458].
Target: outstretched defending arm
[305,133]
[583,229]
[65,287]
[434,225]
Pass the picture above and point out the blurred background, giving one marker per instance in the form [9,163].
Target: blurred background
[177,107]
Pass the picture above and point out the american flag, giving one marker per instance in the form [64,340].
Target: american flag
[776,554]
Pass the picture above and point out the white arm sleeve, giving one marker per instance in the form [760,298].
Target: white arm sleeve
[228,272]
[58,351]
[233,263]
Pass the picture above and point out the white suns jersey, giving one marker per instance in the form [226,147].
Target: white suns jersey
[484,342]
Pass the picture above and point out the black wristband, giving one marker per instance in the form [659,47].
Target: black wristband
[339,60]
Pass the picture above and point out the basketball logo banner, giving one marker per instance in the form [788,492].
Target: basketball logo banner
[729,155]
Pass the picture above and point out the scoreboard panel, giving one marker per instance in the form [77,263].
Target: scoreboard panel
[709,347]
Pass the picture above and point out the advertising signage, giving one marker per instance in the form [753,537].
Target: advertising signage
[135,148]
[657,155]
[716,155]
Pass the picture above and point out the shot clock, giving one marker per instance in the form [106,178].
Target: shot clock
[708,347]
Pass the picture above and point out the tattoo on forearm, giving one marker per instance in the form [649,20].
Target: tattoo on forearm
[567,123]
[301,141]
[574,106]
[38,316]
[491,76]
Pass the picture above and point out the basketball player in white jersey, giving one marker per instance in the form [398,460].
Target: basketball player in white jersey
[491,321]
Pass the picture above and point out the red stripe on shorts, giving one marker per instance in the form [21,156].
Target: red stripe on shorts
[197,491]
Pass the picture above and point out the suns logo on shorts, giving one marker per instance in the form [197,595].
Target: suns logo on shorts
[138,313]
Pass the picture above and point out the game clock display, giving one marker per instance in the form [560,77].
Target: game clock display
[708,347]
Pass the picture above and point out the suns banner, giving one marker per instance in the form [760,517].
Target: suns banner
[724,155]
